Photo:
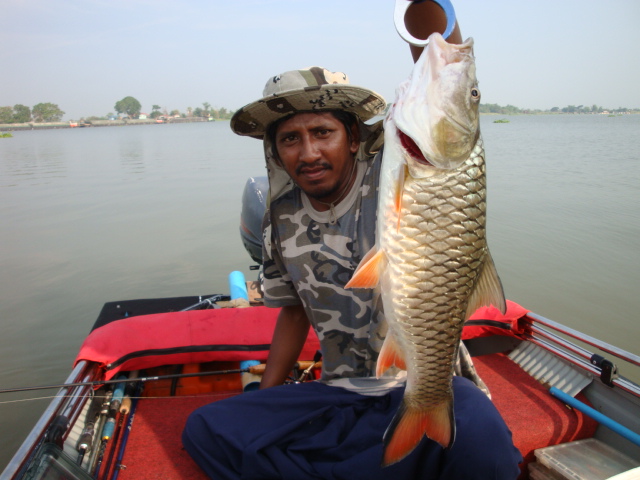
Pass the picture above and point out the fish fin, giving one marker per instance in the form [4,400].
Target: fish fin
[390,355]
[410,424]
[488,290]
[367,274]
[402,172]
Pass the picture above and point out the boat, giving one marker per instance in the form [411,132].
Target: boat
[148,363]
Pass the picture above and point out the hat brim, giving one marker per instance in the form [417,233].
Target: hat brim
[254,119]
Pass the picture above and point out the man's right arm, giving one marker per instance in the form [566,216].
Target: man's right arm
[289,336]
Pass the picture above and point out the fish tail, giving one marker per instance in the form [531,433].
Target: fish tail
[410,424]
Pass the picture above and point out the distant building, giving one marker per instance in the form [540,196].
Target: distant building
[143,116]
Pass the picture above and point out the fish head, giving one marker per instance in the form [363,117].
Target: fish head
[436,113]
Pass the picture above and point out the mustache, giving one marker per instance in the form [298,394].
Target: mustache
[312,166]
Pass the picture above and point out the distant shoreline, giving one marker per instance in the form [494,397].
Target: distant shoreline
[13,127]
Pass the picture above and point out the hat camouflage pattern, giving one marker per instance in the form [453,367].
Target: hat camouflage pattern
[308,90]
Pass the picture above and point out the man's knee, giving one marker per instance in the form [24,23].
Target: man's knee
[483,446]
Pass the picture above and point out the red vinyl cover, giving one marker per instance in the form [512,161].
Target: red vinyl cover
[487,321]
[223,334]
[227,334]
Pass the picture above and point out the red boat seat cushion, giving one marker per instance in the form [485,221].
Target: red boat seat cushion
[536,418]
[176,338]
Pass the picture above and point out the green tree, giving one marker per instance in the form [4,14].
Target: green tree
[155,111]
[6,115]
[129,106]
[21,114]
[47,112]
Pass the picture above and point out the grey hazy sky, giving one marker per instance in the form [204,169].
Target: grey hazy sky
[85,55]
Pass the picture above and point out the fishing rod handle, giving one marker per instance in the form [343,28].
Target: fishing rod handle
[125,407]
[301,365]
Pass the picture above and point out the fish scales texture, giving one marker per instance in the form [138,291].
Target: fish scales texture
[434,257]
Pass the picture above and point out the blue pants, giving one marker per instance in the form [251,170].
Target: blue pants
[313,431]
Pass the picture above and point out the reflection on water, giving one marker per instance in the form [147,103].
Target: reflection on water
[100,214]
[33,164]
[132,158]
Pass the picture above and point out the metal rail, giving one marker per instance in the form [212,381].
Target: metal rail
[540,333]
[594,342]
[17,464]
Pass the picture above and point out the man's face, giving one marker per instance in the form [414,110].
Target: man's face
[316,152]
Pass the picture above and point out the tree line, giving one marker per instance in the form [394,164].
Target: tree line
[511,110]
[42,112]
[128,106]
[131,107]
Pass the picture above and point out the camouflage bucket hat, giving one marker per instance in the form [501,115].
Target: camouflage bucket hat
[308,90]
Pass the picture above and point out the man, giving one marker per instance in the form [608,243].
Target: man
[323,164]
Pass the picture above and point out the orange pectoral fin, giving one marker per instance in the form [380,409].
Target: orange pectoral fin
[367,275]
[390,355]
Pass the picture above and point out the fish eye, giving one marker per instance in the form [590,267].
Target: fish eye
[475,93]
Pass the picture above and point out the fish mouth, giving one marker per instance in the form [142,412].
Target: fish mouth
[412,148]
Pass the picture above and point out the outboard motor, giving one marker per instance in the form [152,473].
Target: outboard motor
[254,204]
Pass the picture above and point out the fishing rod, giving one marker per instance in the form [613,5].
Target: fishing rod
[85,442]
[102,418]
[207,303]
[111,430]
[125,436]
[255,369]
[125,408]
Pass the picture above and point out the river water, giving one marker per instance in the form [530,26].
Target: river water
[94,215]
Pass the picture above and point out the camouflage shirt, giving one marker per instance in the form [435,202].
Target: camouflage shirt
[312,256]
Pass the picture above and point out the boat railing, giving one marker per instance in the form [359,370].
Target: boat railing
[549,335]
[66,405]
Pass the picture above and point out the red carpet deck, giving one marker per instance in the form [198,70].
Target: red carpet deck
[536,419]
[154,450]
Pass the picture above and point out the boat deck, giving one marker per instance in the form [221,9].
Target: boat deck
[536,419]
[153,430]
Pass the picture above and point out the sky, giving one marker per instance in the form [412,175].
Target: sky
[85,55]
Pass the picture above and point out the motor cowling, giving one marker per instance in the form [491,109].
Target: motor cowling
[254,204]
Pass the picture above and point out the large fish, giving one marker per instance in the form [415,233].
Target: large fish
[431,260]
